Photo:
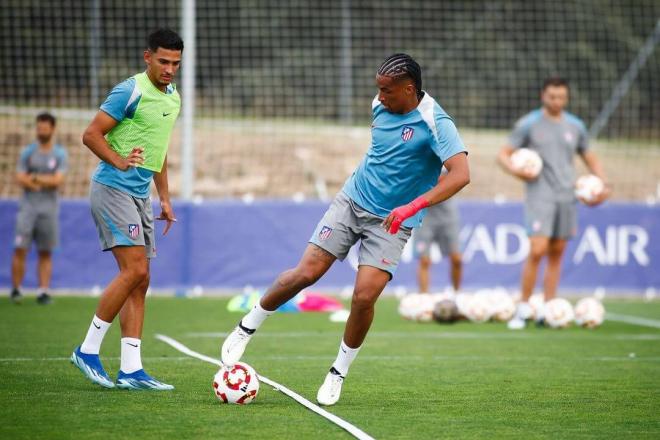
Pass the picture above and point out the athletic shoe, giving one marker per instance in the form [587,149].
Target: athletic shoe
[15,296]
[331,389]
[234,346]
[140,380]
[90,365]
[516,323]
[44,299]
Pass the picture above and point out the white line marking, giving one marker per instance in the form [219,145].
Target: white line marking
[356,432]
[60,359]
[439,335]
[636,320]
[424,335]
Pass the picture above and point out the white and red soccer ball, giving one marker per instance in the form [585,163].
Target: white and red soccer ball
[238,384]
[559,313]
[528,160]
[588,187]
[589,313]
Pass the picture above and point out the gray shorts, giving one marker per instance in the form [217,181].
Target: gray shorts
[344,223]
[551,219]
[121,219]
[443,231]
[38,223]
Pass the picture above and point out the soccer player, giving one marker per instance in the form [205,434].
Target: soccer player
[131,134]
[40,171]
[440,226]
[380,203]
[550,211]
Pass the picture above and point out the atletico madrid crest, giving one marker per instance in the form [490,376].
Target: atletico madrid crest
[325,233]
[133,231]
[407,133]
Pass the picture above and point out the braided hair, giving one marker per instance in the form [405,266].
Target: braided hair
[401,65]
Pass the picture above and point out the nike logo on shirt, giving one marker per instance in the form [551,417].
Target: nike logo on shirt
[165,114]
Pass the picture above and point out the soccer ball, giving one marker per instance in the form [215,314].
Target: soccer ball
[502,307]
[589,313]
[445,311]
[536,303]
[478,307]
[559,313]
[417,307]
[588,187]
[238,384]
[525,159]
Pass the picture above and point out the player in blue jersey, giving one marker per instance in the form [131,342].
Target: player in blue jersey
[40,172]
[130,134]
[550,211]
[412,137]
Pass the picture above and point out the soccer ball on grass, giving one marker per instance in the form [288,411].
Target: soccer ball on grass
[238,384]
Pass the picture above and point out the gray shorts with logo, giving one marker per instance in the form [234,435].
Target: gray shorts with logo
[551,219]
[38,222]
[344,223]
[121,219]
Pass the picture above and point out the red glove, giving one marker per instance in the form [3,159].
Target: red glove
[400,214]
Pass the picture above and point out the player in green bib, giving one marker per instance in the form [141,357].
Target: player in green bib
[131,134]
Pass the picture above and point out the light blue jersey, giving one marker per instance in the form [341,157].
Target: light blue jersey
[405,159]
[122,101]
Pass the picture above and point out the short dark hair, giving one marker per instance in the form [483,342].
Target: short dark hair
[555,81]
[46,117]
[165,38]
[401,65]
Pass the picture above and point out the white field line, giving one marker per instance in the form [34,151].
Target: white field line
[636,320]
[366,357]
[353,430]
[434,335]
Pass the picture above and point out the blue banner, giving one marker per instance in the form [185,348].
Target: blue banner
[231,244]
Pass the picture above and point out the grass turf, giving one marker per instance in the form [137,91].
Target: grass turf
[409,381]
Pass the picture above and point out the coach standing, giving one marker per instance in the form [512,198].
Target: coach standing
[40,171]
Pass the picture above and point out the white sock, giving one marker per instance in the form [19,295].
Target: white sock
[95,335]
[345,358]
[524,311]
[255,317]
[131,360]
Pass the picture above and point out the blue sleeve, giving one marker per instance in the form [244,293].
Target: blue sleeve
[449,142]
[22,166]
[122,101]
[62,160]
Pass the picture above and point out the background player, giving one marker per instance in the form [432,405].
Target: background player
[550,209]
[40,171]
[411,139]
[441,226]
[131,135]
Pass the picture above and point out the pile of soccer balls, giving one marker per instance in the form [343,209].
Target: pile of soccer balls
[497,305]
[238,384]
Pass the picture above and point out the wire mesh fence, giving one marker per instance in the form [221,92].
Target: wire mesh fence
[283,89]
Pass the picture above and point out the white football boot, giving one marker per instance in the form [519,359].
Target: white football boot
[331,389]
[523,312]
[234,346]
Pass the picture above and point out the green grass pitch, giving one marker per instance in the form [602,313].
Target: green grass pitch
[409,381]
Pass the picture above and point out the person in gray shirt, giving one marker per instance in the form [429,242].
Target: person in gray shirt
[40,171]
[441,226]
[550,211]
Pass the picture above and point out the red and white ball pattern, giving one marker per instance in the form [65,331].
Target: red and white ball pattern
[525,159]
[589,313]
[238,384]
[588,187]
